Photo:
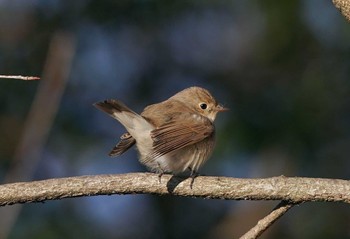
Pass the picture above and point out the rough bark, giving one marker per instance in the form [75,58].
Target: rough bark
[344,7]
[294,190]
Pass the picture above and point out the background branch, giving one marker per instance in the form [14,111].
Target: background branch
[40,119]
[267,221]
[294,190]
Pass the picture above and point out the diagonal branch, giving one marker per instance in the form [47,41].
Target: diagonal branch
[267,221]
[294,190]
[40,118]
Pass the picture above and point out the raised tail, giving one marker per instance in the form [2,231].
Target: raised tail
[134,123]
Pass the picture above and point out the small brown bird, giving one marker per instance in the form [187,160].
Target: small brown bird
[174,136]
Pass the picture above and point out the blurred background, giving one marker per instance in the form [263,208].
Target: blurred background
[282,67]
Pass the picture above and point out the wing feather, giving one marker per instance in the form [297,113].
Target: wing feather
[126,142]
[174,135]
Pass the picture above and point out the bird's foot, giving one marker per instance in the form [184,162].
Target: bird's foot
[193,175]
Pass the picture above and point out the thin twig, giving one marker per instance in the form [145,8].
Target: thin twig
[267,221]
[20,77]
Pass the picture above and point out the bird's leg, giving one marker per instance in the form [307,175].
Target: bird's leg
[161,173]
[193,175]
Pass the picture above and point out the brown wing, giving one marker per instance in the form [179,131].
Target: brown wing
[164,112]
[126,141]
[180,133]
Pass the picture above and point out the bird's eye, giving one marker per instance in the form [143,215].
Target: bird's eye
[203,106]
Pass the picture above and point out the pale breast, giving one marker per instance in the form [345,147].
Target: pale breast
[189,158]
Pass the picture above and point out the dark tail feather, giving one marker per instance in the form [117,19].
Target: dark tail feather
[110,106]
[126,142]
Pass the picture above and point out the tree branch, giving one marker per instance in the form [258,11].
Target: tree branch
[267,221]
[294,190]
[344,7]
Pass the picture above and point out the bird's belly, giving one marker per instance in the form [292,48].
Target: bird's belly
[189,158]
